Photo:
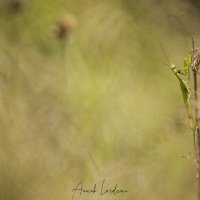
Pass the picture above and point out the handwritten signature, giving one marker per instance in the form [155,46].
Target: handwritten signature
[103,191]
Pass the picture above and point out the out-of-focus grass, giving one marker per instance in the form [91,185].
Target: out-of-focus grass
[115,112]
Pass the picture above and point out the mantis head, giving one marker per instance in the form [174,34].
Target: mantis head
[173,66]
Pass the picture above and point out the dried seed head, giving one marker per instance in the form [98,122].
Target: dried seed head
[64,26]
[16,6]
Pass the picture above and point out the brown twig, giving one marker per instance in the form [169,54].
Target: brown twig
[196,111]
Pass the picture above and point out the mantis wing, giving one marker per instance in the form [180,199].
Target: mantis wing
[186,95]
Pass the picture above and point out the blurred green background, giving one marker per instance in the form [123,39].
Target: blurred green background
[102,107]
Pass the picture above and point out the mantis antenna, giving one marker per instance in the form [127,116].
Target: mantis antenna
[164,52]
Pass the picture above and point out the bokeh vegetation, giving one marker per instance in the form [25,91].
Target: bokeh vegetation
[102,107]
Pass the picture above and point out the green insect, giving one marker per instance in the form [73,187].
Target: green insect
[193,63]
[185,89]
[184,85]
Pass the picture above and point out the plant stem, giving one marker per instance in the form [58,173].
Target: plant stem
[63,52]
[197,120]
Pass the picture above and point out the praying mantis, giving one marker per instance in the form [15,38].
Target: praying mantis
[185,90]
[184,85]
